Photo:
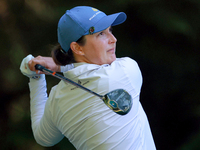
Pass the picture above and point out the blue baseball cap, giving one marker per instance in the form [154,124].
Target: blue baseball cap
[84,20]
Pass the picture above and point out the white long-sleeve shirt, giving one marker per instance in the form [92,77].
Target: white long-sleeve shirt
[84,118]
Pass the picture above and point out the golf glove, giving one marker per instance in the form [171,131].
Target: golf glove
[25,69]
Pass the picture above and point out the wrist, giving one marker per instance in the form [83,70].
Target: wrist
[58,68]
[37,78]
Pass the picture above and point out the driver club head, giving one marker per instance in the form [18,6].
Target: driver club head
[119,100]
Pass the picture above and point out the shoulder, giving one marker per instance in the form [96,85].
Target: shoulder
[128,65]
[125,59]
[126,62]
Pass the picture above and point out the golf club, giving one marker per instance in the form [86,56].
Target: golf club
[119,100]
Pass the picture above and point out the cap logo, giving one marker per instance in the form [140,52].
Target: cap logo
[94,15]
[94,9]
[91,30]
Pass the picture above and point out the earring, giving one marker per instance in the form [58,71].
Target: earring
[80,52]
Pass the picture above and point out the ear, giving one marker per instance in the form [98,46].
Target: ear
[76,48]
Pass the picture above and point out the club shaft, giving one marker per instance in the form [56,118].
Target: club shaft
[54,74]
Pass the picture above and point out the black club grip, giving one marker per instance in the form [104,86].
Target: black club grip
[39,67]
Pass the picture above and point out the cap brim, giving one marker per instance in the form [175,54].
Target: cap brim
[110,20]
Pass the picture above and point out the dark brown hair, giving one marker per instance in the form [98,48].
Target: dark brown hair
[61,57]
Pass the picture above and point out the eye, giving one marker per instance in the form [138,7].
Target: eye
[101,33]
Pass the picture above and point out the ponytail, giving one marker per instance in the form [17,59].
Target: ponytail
[61,57]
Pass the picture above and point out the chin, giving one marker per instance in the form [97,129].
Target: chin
[113,59]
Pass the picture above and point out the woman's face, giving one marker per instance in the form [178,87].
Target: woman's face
[99,47]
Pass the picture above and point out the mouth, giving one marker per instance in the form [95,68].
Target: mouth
[112,50]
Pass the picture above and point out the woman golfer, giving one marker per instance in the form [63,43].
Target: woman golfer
[86,54]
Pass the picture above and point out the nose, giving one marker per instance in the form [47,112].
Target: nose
[112,38]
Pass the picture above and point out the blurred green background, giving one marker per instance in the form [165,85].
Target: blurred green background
[163,36]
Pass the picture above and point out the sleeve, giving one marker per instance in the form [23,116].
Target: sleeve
[133,72]
[44,130]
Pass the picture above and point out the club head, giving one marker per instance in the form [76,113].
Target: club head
[119,100]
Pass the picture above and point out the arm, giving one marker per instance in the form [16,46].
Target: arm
[44,130]
[134,73]
[48,63]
